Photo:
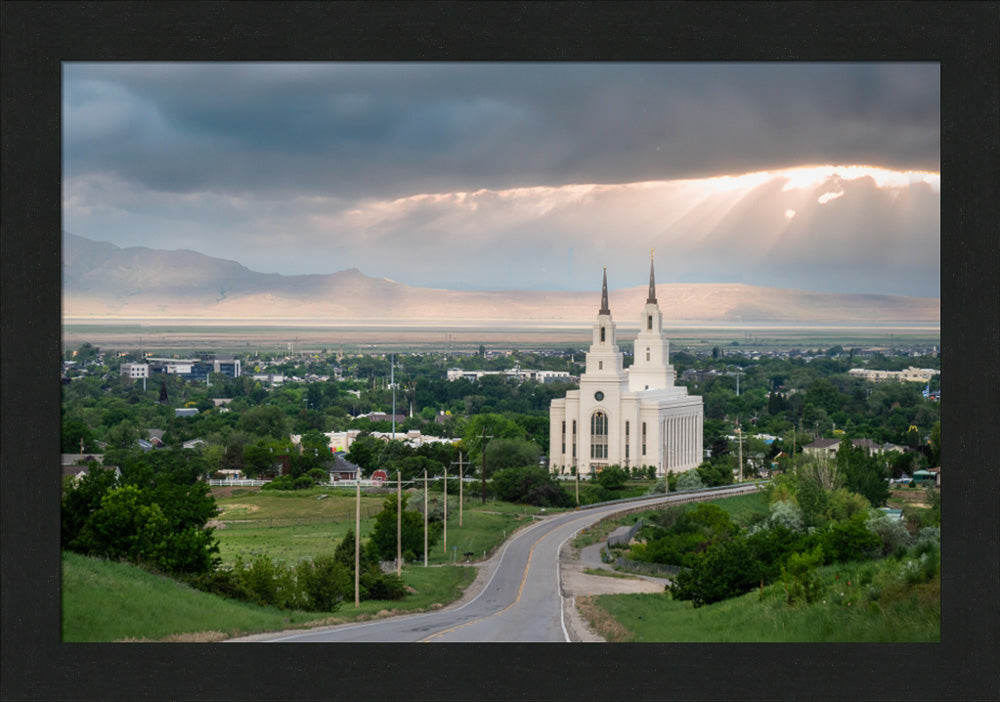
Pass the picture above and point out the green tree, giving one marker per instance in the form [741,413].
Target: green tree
[266,421]
[74,433]
[612,477]
[383,536]
[511,453]
[530,485]
[864,473]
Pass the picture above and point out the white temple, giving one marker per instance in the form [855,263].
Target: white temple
[627,417]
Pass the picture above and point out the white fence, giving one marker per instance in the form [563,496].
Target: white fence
[237,483]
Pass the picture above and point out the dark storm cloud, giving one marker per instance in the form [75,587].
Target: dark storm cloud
[391,130]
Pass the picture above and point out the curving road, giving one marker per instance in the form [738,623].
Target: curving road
[521,600]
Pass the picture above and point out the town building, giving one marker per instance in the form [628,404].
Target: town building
[195,369]
[634,417]
[911,374]
[135,370]
[829,447]
[518,374]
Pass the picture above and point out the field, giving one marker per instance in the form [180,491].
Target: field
[183,336]
[298,524]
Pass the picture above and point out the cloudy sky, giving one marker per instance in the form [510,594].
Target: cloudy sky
[503,176]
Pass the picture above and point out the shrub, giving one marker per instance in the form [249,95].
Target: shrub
[689,480]
[267,583]
[849,540]
[376,585]
[282,482]
[725,570]
[802,582]
[324,583]
[787,514]
[531,485]
[612,477]
[891,532]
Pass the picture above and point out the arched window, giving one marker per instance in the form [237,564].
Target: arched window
[602,335]
[599,435]
[649,321]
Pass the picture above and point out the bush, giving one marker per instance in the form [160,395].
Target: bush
[324,583]
[267,583]
[530,485]
[725,570]
[689,480]
[612,477]
[282,482]
[802,582]
[787,514]
[849,540]
[892,534]
[376,585]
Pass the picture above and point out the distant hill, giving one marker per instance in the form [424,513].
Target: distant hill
[105,281]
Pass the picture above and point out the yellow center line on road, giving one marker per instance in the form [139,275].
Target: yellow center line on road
[520,590]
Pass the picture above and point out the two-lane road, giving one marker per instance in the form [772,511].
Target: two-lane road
[521,600]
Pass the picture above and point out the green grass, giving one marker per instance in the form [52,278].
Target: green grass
[284,543]
[609,573]
[903,613]
[107,601]
[284,507]
[751,502]
[290,526]
[484,529]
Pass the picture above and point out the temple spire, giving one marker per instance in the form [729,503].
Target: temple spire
[604,294]
[652,282]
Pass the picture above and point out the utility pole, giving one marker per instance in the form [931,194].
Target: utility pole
[445,537]
[399,523]
[739,437]
[483,438]
[357,542]
[392,381]
[425,517]
[461,482]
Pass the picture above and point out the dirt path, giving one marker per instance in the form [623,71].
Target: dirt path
[579,584]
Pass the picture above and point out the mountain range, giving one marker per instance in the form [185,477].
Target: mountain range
[104,281]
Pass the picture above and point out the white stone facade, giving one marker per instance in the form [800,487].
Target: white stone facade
[634,417]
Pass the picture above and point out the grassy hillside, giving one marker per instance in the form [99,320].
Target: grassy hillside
[901,612]
[106,601]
